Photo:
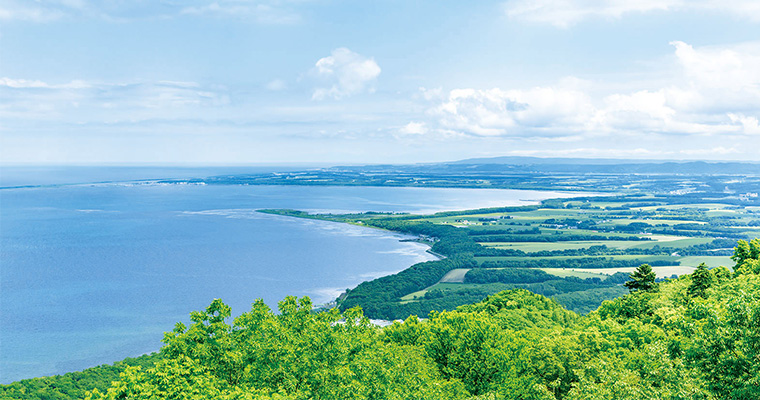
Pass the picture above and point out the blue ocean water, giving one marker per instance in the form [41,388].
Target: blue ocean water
[93,273]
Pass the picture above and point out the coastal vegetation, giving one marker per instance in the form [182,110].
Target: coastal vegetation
[74,385]
[623,296]
[695,337]
[573,250]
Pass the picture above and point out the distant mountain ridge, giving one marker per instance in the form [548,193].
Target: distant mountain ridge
[526,160]
[609,165]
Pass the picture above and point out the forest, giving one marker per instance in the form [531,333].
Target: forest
[695,337]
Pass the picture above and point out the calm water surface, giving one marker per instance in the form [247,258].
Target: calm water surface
[93,273]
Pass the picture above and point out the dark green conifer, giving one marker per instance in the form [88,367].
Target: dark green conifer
[642,279]
[701,279]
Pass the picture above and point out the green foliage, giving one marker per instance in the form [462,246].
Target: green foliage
[73,385]
[747,257]
[511,275]
[685,340]
[701,279]
[585,262]
[178,378]
[297,354]
[521,309]
[636,305]
[576,294]
[720,274]
[585,301]
[643,279]
[728,348]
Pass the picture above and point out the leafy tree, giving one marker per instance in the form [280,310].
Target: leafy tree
[701,279]
[727,349]
[681,341]
[73,385]
[721,274]
[180,378]
[643,279]
[297,354]
[747,257]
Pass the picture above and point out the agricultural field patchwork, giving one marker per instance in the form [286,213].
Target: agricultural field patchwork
[578,251]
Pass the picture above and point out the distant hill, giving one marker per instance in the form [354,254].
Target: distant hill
[608,165]
[515,160]
[520,160]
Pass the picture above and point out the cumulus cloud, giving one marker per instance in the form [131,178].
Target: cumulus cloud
[750,125]
[712,91]
[565,13]
[720,67]
[496,112]
[346,72]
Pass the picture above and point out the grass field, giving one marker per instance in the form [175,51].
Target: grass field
[413,296]
[653,221]
[562,273]
[672,241]
[495,287]
[662,272]
[711,261]
[454,276]
[549,246]
[708,206]
[643,258]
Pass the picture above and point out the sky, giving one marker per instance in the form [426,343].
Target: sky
[228,82]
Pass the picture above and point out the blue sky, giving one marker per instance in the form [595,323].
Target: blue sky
[323,81]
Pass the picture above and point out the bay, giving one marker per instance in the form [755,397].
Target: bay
[93,273]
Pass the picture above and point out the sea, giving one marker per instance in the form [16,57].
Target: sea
[97,263]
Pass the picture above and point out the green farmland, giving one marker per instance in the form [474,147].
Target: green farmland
[578,251]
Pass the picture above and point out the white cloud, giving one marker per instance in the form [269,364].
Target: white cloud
[79,101]
[267,12]
[565,13]
[725,68]
[414,128]
[13,11]
[22,83]
[750,125]
[711,91]
[495,112]
[749,9]
[347,72]
[259,11]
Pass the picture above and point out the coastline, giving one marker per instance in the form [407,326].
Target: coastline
[165,210]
